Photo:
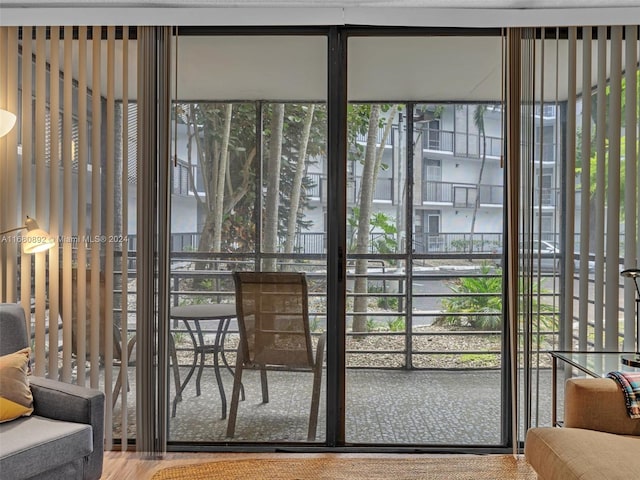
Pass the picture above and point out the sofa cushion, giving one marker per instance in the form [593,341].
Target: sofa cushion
[35,444]
[575,453]
[15,395]
[597,404]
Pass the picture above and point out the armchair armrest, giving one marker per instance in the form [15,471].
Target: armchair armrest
[597,404]
[72,403]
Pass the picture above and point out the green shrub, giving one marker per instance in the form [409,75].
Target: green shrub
[485,306]
[483,298]
[396,325]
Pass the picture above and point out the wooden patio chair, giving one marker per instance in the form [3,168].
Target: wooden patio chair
[273,322]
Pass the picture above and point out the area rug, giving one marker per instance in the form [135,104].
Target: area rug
[467,467]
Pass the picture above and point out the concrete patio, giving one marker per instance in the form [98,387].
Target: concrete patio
[388,407]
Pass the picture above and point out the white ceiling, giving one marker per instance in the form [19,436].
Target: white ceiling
[446,13]
[294,68]
[482,4]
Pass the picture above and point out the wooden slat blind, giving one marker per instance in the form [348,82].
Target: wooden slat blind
[25,167]
[585,180]
[9,215]
[54,189]
[632,181]
[600,75]
[71,139]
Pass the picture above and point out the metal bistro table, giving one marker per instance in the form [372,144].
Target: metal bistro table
[594,364]
[192,316]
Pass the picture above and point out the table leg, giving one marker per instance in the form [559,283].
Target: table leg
[202,350]
[223,397]
[554,393]
[192,369]
[174,365]
[225,327]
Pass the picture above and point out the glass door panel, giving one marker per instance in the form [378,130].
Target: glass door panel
[424,309]
[377,341]
[457,279]
[249,194]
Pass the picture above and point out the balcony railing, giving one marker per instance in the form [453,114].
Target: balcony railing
[453,192]
[382,193]
[460,143]
[483,242]
[314,243]
[387,288]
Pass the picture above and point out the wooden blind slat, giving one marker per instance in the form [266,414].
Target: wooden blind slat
[41,212]
[598,317]
[612,269]
[585,182]
[54,193]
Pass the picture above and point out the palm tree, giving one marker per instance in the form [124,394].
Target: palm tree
[478,120]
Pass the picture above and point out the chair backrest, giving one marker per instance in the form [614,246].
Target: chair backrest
[273,319]
[13,328]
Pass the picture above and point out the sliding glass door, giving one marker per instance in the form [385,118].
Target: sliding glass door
[249,193]
[422,215]
[425,231]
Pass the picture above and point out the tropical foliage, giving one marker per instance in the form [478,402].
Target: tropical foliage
[223,142]
[479,304]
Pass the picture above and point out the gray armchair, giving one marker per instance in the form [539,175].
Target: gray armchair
[64,437]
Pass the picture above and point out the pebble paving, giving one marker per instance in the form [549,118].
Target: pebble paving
[384,407]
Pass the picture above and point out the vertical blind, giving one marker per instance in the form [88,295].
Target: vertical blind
[66,165]
[594,94]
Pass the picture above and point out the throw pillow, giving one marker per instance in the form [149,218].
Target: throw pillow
[15,395]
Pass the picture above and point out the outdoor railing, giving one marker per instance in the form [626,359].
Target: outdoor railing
[461,144]
[392,327]
[455,193]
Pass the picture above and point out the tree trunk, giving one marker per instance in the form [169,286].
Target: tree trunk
[220,180]
[367,187]
[270,237]
[372,163]
[297,182]
[479,121]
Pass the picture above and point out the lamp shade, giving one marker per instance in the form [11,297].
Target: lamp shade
[634,273]
[631,273]
[36,240]
[7,121]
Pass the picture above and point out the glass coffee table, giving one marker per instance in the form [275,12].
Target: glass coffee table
[594,364]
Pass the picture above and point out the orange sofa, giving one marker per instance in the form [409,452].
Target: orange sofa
[598,441]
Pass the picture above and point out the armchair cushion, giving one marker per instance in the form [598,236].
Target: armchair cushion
[599,439]
[15,395]
[597,404]
[40,444]
[73,403]
[64,437]
[579,454]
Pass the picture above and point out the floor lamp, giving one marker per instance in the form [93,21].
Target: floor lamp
[36,240]
[634,360]
[7,121]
